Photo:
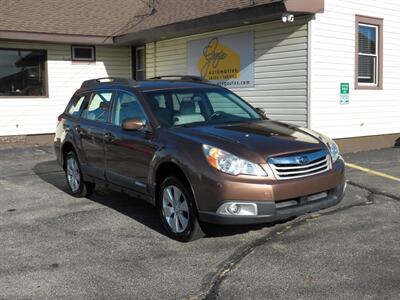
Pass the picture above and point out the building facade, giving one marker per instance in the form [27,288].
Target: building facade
[31,112]
[327,65]
[336,53]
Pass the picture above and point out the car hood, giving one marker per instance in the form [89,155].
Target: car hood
[266,138]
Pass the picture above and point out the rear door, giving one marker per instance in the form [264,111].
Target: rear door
[91,131]
[128,153]
[65,130]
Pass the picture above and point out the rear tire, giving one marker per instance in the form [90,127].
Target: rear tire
[73,173]
[178,211]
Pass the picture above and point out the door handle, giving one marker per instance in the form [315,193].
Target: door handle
[109,137]
[79,130]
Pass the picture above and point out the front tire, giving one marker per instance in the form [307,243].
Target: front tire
[73,173]
[177,210]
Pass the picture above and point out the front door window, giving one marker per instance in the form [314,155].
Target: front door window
[126,106]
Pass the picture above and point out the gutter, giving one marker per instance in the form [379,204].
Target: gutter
[56,38]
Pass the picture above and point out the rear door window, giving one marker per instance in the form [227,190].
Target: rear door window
[98,107]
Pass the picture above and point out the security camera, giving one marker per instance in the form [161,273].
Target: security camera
[287,17]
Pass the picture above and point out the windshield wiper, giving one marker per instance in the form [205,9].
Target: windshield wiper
[190,125]
[215,123]
[236,122]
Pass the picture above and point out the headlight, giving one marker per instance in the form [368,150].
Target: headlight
[334,149]
[231,164]
[332,146]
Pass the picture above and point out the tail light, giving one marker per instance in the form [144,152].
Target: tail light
[59,118]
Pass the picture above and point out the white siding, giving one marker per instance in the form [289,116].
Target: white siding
[20,116]
[280,66]
[370,112]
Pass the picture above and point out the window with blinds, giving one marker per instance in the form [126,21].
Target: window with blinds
[369,52]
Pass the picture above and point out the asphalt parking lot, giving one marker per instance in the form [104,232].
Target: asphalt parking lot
[54,246]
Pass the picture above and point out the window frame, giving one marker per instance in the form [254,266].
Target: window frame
[45,74]
[135,62]
[73,58]
[378,24]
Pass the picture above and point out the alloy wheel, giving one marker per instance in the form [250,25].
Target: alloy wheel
[175,209]
[73,174]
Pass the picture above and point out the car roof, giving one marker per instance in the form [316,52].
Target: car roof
[152,85]
[147,85]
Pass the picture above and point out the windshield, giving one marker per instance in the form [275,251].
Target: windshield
[184,107]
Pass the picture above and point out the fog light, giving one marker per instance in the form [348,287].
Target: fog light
[234,209]
[238,209]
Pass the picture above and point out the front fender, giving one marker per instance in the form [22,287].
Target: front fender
[187,161]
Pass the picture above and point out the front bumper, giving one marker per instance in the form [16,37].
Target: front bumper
[269,211]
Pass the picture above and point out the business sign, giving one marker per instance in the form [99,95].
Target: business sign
[227,60]
[344,93]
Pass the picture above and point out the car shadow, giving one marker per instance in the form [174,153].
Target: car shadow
[138,210]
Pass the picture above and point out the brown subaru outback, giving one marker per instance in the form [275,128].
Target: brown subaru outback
[196,151]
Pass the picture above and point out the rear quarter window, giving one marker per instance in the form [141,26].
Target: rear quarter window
[76,106]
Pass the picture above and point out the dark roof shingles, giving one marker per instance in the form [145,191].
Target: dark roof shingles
[106,17]
[77,17]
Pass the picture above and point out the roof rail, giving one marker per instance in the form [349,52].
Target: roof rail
[180,77]
[91,82]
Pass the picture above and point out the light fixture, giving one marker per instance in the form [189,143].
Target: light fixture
[238,209]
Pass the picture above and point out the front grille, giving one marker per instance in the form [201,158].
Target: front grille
[284,204]
[300,165]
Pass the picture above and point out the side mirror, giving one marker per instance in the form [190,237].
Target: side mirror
[132,124]
[261,112]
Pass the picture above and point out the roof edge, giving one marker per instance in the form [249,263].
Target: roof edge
[56,38]
[231,18]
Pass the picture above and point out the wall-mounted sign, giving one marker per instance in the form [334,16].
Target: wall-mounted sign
[344,93]
[227,60]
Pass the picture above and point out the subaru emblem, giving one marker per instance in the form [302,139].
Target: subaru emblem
[303,160]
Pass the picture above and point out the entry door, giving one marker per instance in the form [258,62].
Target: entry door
[91,131]
[128,153]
